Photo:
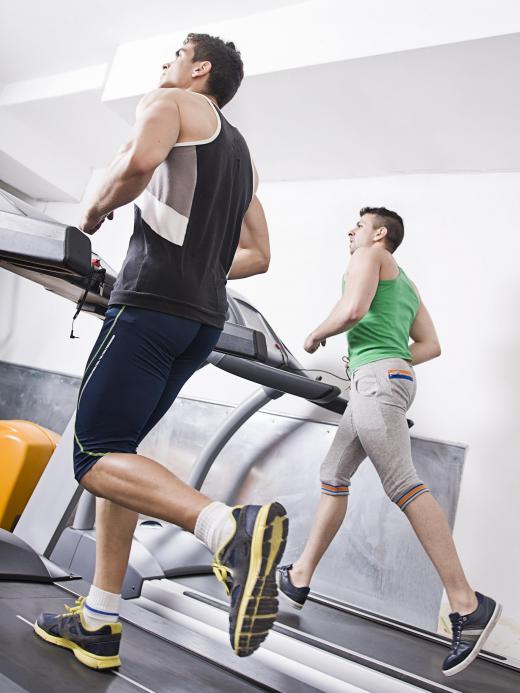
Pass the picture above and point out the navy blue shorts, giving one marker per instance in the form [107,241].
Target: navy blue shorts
[138,365]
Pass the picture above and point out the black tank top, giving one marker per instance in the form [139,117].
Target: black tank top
[186,228]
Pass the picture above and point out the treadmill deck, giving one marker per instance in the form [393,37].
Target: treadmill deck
[389,647]
[149,663]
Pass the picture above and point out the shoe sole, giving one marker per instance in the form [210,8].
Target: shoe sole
[285,597]
[478,646]
[258,606]
[90,660]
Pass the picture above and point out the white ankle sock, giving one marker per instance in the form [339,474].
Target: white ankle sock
[214,525]
[100,607]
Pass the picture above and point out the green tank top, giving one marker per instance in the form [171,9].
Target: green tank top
[384,332]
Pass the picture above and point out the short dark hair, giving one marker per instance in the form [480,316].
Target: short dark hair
[227,69]
[393,222]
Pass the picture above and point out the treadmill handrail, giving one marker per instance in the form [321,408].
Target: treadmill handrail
[277,379]
[18,241]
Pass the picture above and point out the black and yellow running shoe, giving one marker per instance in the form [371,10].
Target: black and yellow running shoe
[246,564]
[97,649]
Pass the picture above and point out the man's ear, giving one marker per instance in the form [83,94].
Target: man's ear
[202,69]
[381,233]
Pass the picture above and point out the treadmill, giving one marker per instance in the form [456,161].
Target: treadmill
[328,646]
[158,661]
[156,656]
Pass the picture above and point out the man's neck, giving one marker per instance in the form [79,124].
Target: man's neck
[208,96]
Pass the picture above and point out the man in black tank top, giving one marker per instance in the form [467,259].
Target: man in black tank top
[197,223]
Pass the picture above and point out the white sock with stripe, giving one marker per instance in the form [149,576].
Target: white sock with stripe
[214,525]
[100,607]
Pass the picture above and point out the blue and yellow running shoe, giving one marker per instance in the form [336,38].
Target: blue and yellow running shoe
[97,649]
[246,564]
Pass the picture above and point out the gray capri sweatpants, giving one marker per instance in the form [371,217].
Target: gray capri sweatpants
[374,425]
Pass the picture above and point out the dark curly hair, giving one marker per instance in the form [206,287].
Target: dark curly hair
[393,223]
[227,69]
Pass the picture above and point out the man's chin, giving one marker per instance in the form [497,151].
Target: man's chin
[165,83]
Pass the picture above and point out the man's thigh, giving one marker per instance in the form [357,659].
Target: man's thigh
[343,458]
[125,379]
[379,405]
[183,367]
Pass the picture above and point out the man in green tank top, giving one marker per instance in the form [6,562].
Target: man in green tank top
[380,311]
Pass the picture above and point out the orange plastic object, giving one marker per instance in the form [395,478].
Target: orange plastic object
[25,449]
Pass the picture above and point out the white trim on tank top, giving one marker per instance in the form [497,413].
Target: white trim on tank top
[162,219]
[213,136]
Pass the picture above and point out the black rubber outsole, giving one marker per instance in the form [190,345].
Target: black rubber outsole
[262,607]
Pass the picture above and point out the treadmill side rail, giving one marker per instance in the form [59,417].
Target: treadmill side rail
[19,562]
[54,499]
[38,243]
[242,341]
[278,379]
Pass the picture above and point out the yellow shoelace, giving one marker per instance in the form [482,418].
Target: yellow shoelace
[74,609]
[222,574]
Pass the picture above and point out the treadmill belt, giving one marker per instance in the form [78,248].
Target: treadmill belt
[399,649]
[413,659]
[27,663]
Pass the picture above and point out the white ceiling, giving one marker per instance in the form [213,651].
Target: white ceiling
[446,108]
[80,122]
[42,38]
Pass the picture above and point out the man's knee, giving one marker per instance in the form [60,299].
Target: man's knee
[405,492]
[86,457]
[335,487]
[89,480]
[333,483]
[335,475]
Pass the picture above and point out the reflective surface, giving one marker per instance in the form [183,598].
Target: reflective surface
[375,561]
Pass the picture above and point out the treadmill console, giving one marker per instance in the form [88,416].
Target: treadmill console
[242,341]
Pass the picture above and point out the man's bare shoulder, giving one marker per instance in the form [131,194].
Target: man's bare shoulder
[414,286]
[369,255]
[161,95]
[364,260]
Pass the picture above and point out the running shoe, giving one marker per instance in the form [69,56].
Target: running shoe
[296,596]
[97,649]
[470,632]
[246,564]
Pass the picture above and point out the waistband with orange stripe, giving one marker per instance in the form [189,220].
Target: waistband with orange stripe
[397,373]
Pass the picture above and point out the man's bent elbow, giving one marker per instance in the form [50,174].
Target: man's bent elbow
[435,350]
[140,164]
[261,261]
[264,263]
[355,314]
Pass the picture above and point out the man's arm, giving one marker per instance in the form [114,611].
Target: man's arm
[361,285]
[425,341]
[155,132]
[253,253]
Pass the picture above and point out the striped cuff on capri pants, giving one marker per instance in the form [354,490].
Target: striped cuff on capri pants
[335,490]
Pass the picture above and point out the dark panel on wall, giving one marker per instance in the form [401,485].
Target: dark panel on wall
[47,398]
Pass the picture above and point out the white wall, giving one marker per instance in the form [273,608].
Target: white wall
[461,247]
